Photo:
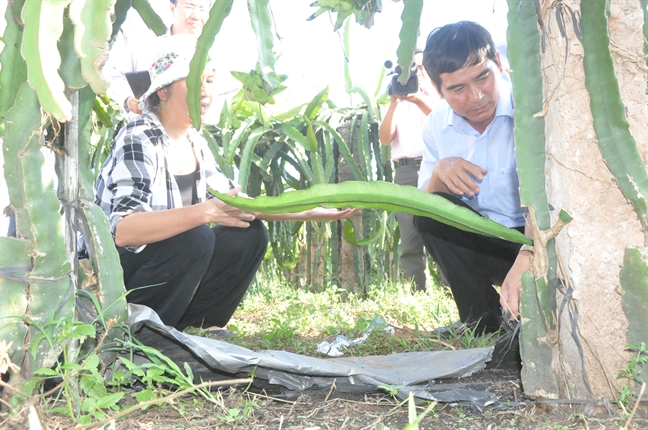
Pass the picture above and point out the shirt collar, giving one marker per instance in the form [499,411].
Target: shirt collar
[191,135]
[505,103]
[153,117]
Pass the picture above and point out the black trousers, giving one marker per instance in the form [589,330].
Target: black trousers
[472,264]
[197,278]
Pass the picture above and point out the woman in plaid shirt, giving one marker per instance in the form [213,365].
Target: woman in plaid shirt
[153,188]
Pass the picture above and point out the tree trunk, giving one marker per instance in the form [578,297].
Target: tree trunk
[351,258]
[591,248]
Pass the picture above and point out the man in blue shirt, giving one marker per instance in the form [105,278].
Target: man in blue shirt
[469,158]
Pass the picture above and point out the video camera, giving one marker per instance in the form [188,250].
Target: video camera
[395,87]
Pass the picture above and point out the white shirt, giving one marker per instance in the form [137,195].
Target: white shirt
[446,134]
[408,141]
[129,55]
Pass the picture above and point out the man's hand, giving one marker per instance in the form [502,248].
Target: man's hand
[132,104]
[315,214]
[512,286]
[458,175]
[221,213]
[321,214]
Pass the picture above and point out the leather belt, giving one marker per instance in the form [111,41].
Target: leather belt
[410,161]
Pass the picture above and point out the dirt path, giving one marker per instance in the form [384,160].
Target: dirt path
[333,410]
[378,411]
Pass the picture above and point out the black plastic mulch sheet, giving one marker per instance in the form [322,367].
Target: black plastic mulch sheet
[290,374]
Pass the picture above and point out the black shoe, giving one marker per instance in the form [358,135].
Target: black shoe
[449,331]
[488,322]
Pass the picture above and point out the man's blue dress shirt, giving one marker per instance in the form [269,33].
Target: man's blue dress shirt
[447,134]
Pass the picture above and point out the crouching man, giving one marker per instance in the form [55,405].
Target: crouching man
[469,159]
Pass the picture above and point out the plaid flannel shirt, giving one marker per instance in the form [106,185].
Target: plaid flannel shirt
[135,177]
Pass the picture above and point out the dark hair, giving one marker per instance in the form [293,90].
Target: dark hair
[455,46]
[153,101]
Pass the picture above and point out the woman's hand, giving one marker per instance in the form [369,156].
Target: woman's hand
[221,213]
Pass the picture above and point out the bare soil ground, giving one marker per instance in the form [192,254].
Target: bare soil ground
[327,410]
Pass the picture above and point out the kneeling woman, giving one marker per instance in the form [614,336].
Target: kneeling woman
[153,188]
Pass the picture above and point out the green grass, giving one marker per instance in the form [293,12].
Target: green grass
[280,317]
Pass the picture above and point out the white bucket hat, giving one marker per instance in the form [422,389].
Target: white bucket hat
[170,63]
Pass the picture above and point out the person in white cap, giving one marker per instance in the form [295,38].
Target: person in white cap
[153,189]
[189,17]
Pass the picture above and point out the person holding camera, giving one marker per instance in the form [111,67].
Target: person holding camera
[401,127]
[469,159]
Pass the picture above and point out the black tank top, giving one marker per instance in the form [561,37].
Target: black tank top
[187,186]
